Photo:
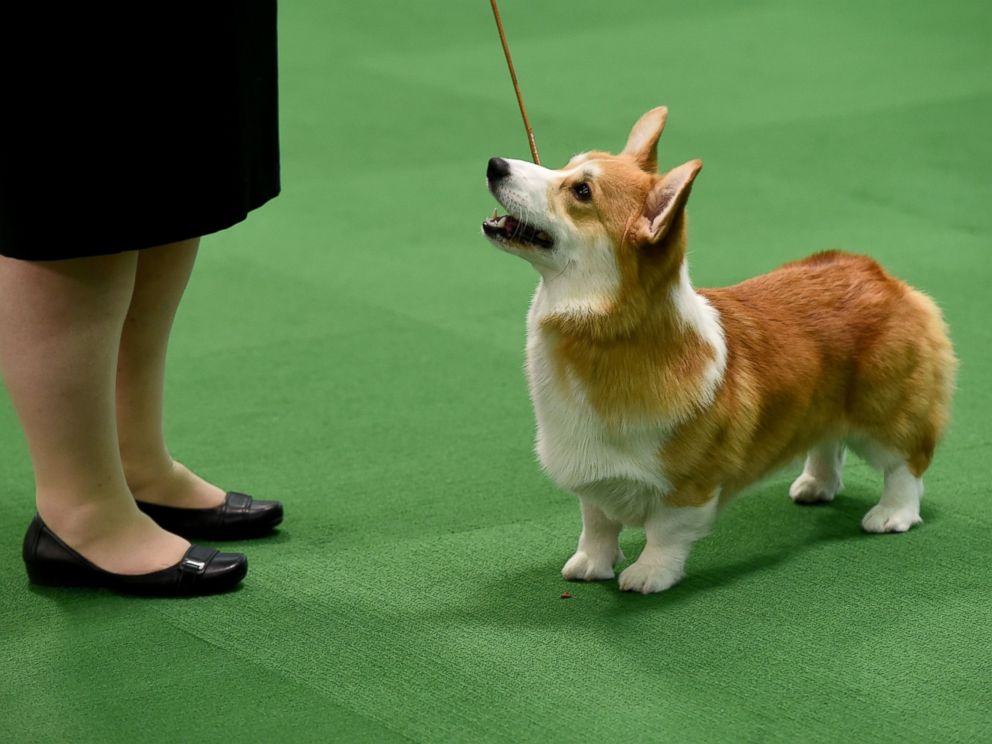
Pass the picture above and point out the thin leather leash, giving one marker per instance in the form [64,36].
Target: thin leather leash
[516,85]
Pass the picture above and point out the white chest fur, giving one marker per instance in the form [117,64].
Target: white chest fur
[621,470]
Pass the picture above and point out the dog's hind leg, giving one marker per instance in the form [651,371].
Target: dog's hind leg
[821,477]
[899,507]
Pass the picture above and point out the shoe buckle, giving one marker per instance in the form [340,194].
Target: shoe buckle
[196,565]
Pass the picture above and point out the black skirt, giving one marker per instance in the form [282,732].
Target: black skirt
[128,126]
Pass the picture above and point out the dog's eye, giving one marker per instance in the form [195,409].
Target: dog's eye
[582,191]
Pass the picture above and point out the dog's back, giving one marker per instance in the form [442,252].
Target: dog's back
[830,347]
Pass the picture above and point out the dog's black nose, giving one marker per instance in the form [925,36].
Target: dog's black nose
[498,168]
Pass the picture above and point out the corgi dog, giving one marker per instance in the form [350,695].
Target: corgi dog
[657,402]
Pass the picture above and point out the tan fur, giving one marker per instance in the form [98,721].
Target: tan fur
[828,347]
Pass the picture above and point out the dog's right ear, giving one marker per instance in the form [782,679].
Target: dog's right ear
[665,202]
[642,143]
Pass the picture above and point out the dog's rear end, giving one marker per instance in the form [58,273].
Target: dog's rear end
[823,352]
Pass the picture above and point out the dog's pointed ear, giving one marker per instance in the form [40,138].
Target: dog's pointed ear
[666,201]
[642,144]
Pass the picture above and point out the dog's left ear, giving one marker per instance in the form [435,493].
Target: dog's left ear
[666,201]
[642,144]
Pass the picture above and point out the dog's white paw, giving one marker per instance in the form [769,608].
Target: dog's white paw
[584,566]
[648,577]
[808,490]
[890,519]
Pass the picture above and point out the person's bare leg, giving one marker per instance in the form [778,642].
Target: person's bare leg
[60,330]
[152,474]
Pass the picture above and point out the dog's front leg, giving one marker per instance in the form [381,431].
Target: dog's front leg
[599,549]
[669,533]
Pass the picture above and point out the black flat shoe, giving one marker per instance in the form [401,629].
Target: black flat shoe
[239,517]
[202,570]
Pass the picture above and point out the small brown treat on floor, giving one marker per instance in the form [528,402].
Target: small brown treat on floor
[566,595]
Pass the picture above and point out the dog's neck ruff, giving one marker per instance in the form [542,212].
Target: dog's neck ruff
[696,314]
[580,290]
[693,330]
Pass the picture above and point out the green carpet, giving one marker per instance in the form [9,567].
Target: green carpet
[355,349]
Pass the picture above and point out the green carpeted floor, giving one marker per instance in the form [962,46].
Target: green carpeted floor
[355,349]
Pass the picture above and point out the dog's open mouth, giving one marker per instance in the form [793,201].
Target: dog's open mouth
[511,230]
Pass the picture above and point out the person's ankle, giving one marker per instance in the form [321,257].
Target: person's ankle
[143,473]
[81,521]
[176,486]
